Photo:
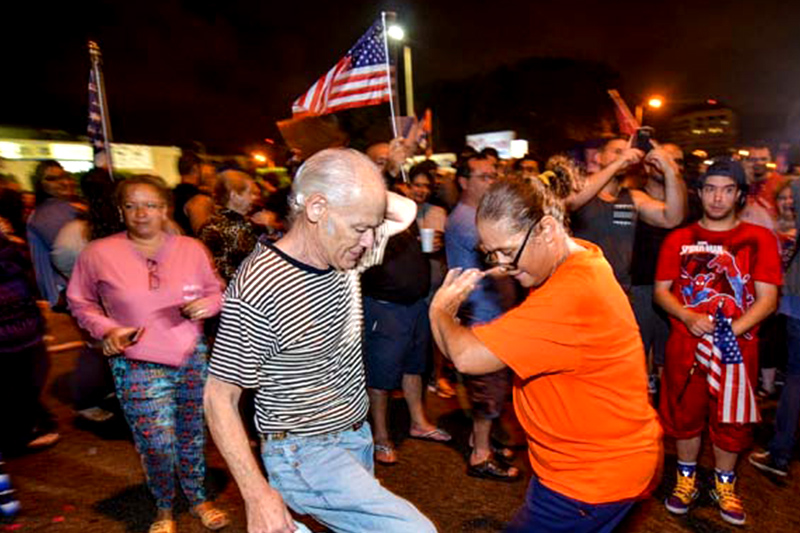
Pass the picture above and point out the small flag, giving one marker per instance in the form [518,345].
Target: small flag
[720,356]
[361,78]
[95,128]
[627,123]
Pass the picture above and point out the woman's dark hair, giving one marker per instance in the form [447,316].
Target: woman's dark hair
[520,202]
[37,179]
[424,169]
[143,179]
[103,216]
[12,208]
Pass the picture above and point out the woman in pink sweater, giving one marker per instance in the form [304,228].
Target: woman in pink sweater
[145,293]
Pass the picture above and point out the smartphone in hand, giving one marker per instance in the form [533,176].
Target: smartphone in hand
[134,337]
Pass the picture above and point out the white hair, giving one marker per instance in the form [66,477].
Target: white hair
[336,173]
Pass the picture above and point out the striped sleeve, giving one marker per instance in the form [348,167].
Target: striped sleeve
[243,342]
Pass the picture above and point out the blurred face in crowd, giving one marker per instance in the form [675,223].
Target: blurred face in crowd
[379,153]
[719,196]
[785,204]
[347,231]
[529,168]
[420,189]
[481,176]
[242,202]
[144,210]
[612,151]
[56,182]
[208,177]
[755,164]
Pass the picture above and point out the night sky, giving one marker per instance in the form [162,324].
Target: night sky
[223,72]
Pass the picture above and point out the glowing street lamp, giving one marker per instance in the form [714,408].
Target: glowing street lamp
[396,32]
[654,102]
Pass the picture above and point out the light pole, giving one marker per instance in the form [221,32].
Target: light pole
[654,102]
[397,33]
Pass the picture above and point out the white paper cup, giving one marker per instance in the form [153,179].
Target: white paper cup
[426,235]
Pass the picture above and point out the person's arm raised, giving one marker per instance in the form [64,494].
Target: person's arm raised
[457,342]
[595,183]
[266,512]
[400,213]
[670,212]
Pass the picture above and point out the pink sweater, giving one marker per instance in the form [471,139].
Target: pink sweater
[111,286]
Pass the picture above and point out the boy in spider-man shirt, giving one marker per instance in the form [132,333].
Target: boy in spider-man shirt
[717,262]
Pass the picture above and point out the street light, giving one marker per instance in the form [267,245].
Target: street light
[654,102]
[396,33]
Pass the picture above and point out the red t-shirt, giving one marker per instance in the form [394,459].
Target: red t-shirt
[711,268]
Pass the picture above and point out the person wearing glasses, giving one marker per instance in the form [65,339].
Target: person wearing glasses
[580,391]
[486,392]
[144,293]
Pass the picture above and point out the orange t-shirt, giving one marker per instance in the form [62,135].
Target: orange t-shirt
[580,391]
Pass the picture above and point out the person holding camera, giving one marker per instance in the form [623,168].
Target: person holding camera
[719,268]
[144,293]
[605,211]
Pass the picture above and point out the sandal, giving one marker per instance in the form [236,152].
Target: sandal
[385,454]
[491,469]
[434,435]
[503,454]
[162,526]
[211,517]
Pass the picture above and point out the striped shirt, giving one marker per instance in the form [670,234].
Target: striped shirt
[294,333]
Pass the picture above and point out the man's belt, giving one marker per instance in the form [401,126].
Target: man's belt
[283,435]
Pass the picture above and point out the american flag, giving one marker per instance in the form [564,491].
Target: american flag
[95,128]
[360,78]
[726,374]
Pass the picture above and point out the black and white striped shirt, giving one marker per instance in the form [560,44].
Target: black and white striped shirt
[294,333]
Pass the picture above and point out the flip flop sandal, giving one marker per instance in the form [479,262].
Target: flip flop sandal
[212,518]
[490,469]
[162,526]
[503,454]
[434,435]
[385,454]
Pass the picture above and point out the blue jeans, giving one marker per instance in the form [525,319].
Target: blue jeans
[546,510]
[789,405]
[330,477]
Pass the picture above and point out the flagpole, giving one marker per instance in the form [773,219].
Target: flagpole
[391,79]
[94,54]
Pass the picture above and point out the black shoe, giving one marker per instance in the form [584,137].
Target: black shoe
[491,469]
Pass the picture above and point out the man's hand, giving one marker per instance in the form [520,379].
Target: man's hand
[116,340]
[628,158]
[660,160]
[268,514]
[456,288]
[698,324]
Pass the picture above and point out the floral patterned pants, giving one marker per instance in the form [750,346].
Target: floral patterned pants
[164,409]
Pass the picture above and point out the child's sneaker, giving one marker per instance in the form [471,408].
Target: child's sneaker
[684,493]
[730,505]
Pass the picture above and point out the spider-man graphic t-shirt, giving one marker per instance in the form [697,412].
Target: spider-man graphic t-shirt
[709,269]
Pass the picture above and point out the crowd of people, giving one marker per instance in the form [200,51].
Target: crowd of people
[588,291]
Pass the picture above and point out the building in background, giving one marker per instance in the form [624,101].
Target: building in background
[712,128]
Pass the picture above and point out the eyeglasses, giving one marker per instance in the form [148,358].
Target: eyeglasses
[153,281]
[491,257]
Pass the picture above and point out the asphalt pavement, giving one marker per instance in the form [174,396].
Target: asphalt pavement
[92,480]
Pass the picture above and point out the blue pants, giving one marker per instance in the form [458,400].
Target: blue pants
[546,510]
[789,405]
[330,477]
[164,409]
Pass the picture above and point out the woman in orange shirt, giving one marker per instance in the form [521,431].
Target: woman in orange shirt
[580,388]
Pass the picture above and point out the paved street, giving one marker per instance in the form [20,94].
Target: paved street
[92,480]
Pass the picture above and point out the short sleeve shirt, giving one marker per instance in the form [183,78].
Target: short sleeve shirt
[580,390]
[709,269]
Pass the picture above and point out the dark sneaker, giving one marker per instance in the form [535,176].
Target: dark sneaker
[683,495]
[730,505]
[766,463]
